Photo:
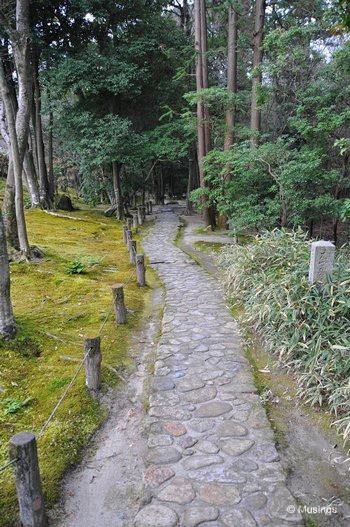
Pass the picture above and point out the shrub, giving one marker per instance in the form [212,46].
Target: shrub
[306,327]
[76,267]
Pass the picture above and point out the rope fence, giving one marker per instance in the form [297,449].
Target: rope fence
[23,446]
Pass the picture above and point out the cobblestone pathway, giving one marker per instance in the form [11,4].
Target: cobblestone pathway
[211,458]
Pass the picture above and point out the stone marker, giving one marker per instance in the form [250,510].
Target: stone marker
[321,261]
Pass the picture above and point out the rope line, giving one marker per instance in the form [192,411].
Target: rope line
[4,467]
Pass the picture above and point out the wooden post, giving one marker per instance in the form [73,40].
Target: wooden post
[125,228]
[119,305]
[129,223]
[128,238]
[143,209]
[28,481]
[132,251]
[321,261]
[151,207]
[92,350]
[135,222]
[147,208]
[140,270]
[139,215]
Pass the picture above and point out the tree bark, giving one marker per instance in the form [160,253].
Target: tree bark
[7,322]
[117,189]
[50,146]
[255,115]
[9,210]
[31,180]
[44,187]
[18,122]
[231,75]
[203,132]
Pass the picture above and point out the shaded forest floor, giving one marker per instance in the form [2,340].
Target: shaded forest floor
[54,311]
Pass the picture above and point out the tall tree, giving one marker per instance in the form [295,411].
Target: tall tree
[255,113]
[231,74]
[18,121]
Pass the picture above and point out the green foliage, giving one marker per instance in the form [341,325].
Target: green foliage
[12,405]
[76,267]
[306,327]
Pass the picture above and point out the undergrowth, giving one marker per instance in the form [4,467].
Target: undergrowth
[54,311]
[306,327]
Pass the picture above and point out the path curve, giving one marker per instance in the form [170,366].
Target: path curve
[211,458]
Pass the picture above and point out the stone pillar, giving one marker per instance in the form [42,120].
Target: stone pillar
[321,261]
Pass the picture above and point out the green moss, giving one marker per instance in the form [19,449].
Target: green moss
[208,246]
[54,311]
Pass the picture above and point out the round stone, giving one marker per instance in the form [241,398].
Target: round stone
[238,518]
[236,447]
[201,461]
[231,429]
[207,447]
[155,475]
[156,516]
[159,440]
[179,491]
[220,495]
[174,429]
[162,384]
[213,409]
[201,395]
[163,455]
[189,383]
[194,516]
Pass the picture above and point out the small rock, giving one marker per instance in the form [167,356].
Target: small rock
[190,383]
[194,516]
[162,384]
[200,461]
[163,455]
[236,447]
[155,476]
[156,516]
[231,429]
[187,442]
[201,395]
[179,491]
[174,429]
[238,518]
[213,409]
[255,501]
[159,440]
[220,495]
[207,447]
[201,425]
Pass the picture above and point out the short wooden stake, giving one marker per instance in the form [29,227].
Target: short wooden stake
[119,305]
[151,207]
[28,482]
[129,223]
[92,350]
[143,209]
[140,215]
[140,270]
[128,238]
[147,208]
[135,222]
[125,228]
[132,251]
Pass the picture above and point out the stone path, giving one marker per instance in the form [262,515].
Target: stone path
[211,459]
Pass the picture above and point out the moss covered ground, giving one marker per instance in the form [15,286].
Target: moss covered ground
[54,311]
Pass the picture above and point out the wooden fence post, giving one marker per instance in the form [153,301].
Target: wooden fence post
[132,251]
[140,270]
[129,223]
[125,228]
[147,208]
[28,481]
[139,215]
[135,222]
[143,211]
[321,261]
[92,350]
[119,305]
[151,207]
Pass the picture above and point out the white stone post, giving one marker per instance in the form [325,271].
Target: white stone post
[321,261]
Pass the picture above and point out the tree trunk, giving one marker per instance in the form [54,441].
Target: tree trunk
[44,189]
[9,210]
[7,322]
[231,75]
[51,174]
[202,114]
[117,189]
[255,116]
[30,177]
[191,180]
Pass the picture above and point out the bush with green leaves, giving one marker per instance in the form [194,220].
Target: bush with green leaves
[76,267]
[306,327]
